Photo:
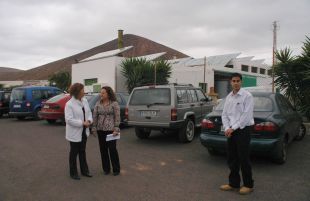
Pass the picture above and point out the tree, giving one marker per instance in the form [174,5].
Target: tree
[140,72]
[61,79]
[292,75]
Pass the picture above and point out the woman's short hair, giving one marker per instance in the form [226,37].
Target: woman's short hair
[110,93]
[75,89]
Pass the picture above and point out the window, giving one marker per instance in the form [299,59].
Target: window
[254,69]
[18,94]
[89,82]
[261,104]
[262,71]
[193,95]
[200,95]
[182,96]
[269,72]
[36,94]
[245,68]
[159,96]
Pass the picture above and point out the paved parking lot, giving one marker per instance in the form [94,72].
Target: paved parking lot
[34,166]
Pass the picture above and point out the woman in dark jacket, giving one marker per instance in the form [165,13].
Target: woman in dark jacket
[106,118]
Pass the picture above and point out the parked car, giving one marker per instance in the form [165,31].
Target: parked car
[276,125]
[53,109]
[173,107]
[122,99]
[26,101]
[4,102]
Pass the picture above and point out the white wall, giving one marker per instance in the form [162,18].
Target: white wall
[191,75]
[106,70]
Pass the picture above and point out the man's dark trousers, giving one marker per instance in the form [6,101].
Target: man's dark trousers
[238,148]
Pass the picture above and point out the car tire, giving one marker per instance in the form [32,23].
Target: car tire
[21,117]
[36,114]
[51,121]
[1,114]
[280,156]
[301,133]
[142,133]
[187,133]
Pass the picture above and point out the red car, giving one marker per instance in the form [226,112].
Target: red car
[53,108]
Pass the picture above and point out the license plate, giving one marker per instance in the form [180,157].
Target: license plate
[148,113]
[46,106]
[16,106]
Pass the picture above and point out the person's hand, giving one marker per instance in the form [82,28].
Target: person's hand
[115,133]
[229,132]
[86,124]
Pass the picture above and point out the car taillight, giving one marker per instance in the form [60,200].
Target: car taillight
[207,124]
[174,114]
[126,113]
[265,126]
[28,104]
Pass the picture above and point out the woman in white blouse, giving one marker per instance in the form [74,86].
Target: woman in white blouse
[78,119]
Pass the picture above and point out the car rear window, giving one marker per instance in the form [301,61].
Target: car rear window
[150,96]
[56,98]
[18,94]
[261,104]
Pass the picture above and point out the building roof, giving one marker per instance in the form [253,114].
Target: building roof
[141,46]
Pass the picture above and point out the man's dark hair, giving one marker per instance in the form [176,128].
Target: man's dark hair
[75,89]
[110,93]
[236,75]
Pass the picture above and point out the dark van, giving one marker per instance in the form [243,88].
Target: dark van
[26,101]
[4,102]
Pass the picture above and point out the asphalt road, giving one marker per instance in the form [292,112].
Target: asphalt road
[34,166]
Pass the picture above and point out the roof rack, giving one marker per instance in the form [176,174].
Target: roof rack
[181,84]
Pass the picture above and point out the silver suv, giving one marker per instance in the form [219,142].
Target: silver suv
[167,107]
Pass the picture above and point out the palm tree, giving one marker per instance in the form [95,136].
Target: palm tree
[140,72]
[293,77]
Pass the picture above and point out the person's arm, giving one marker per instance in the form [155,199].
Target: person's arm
[70,118]
[89,114]
[225,119]
[95,117]
[117,117]
[246,114]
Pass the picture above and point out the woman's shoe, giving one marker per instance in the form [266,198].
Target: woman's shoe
[87,175]
[75,177]
[115,173]
[106,173]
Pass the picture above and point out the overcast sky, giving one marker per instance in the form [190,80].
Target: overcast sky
[35,32]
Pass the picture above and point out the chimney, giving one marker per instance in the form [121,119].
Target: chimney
[120,39]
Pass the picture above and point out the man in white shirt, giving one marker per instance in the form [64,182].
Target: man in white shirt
[238,121]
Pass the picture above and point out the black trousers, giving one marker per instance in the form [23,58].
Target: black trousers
[238,148]
[108,151]
[78,149]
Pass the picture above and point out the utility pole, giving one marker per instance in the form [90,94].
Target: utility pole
[274,49]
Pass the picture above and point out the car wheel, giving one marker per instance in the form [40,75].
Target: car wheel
[51,121]
[142,133]
[36,114]
[281,152]
[187,133]
[301,133]
[21,117]
[1,114]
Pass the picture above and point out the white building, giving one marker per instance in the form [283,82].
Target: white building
[214,72]
[210,72]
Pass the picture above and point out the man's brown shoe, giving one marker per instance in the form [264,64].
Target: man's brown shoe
[245,190]
[227,187]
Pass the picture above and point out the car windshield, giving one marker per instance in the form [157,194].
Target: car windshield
[150,96]
[92,99]
[126,97]
[18,94]
[261,104]
[56,98]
